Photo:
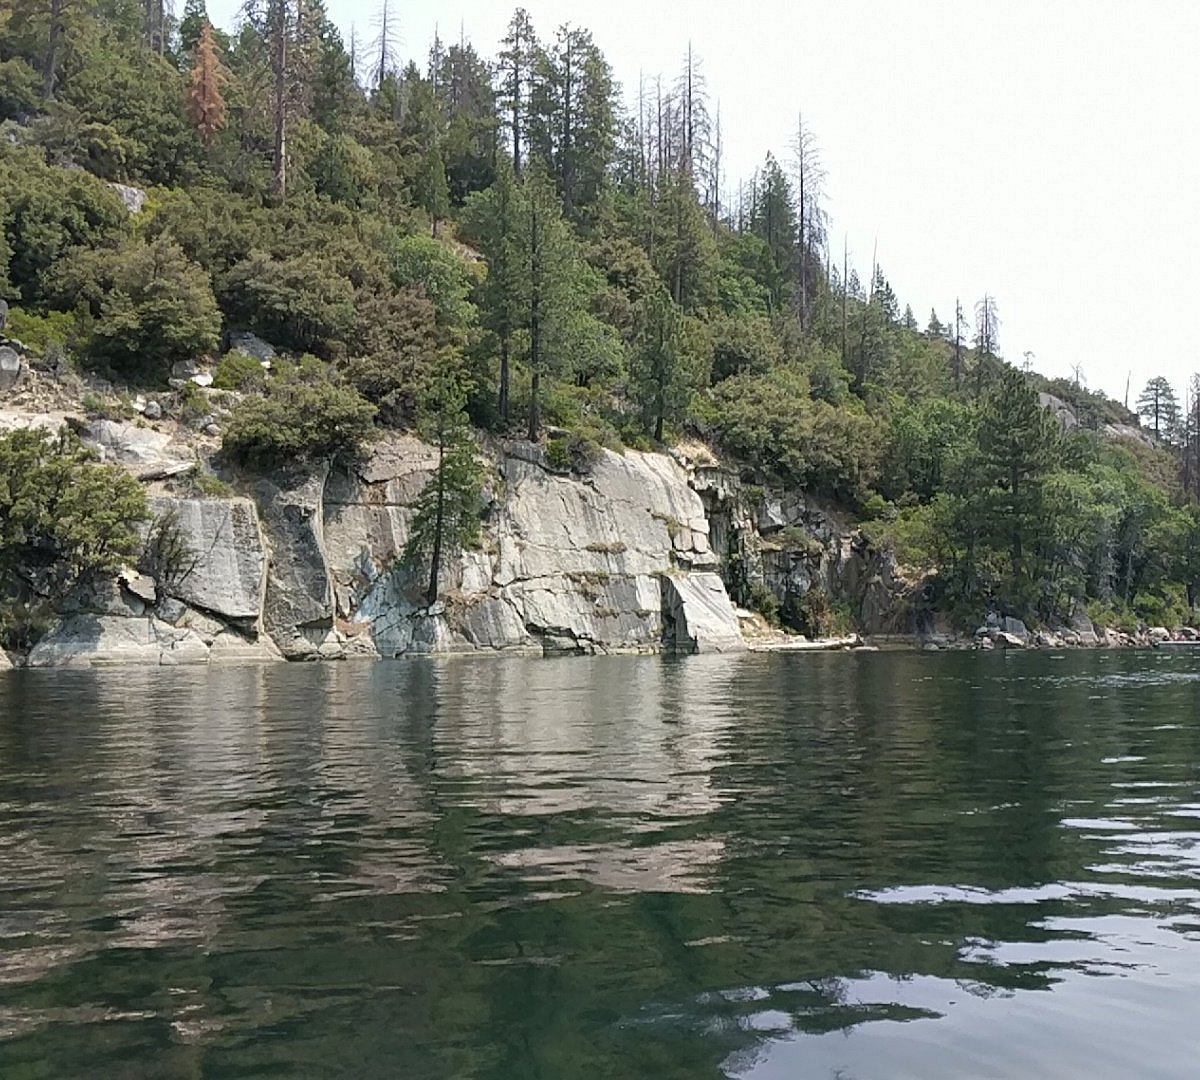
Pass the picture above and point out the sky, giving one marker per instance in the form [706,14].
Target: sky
[1044,152]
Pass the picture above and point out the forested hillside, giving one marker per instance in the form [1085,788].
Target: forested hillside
[497,236]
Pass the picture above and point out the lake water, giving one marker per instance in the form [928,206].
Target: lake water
[868,867]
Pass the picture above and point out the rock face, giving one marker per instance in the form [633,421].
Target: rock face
[224,569]
[251,345]
[298,605]
[5,662]
[698,615]
[618,558]
[569,564]
[134,198]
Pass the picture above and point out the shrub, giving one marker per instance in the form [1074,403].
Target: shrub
[151,306]
[298,419]
[64,518]
[48,335]
[239,371]
[765,602]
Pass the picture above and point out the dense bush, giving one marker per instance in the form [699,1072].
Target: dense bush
[150,306]
[301,417]
[64,519]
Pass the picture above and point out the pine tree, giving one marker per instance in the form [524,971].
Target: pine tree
[205,103]
[195,15]
[447,517]
[515,63]
[494,221]
[1159,407]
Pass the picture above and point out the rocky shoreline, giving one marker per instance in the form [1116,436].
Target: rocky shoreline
[626,552]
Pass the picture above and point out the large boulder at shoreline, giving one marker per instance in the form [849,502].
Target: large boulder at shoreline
[100,640]
[697,614]
[5,662]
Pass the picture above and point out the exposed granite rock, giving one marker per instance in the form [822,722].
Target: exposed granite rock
[11,367]
[697,614]
[298,607]
[87,640]
[5,662]
[569,564]
[148,454]
[251,345]
[134,198]
[225,571]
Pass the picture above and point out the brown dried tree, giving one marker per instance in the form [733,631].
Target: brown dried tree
[205,103]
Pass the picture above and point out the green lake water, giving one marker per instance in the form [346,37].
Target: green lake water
[865,867]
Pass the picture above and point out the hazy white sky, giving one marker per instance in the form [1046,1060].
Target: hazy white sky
[1043,151]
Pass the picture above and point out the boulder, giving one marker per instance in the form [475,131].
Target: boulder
[148,454]
[3,312]
[1158,634]
[99,640]
[698,615]
[224,560]
[5,662]
[251,345]
[1063,412]
[134,198]
[1015,628]
[10,368]
[153,410]
[1004,640]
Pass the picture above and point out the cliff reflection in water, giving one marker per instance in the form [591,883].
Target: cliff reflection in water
[619,866]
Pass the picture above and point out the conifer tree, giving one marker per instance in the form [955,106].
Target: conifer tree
[447,517]
[205,102]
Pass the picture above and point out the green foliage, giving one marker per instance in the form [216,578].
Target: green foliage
[239,371]
[301,417]
[773,420]
[150,306]
[45,212]
[765,602]
[64,519]
[447,512]
[300,302]
[50,335]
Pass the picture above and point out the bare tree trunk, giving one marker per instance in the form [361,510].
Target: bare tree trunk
[279,63]
[535,322]
[502,404]
[845,295]
[439,518]
[53,45]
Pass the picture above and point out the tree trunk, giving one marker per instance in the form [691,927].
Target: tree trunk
[502,404]
[50,69]
[535,320]
[280,62]
[439,522]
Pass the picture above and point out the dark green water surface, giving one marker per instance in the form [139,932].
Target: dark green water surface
[868,866]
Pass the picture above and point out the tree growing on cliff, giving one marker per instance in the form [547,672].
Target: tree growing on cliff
[447,517]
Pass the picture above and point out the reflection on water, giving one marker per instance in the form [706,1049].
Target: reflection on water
[870,866]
